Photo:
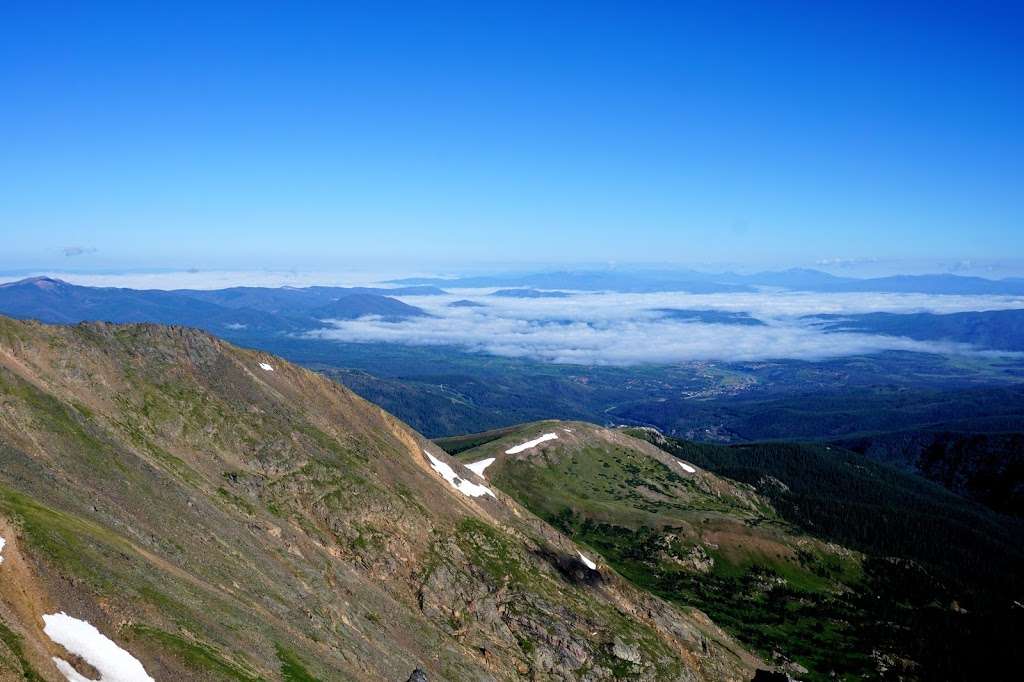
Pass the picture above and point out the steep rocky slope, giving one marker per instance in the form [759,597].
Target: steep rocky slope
[220,514]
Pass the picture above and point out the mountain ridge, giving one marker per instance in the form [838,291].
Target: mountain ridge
[692,281]
[234,312]
[814,556]
[223,514]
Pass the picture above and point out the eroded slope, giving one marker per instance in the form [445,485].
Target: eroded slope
[222,514]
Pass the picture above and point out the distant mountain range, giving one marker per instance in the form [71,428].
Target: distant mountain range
[256,313]
[692,281]
[307,299]
[627,282]
[529,293]
[238,311]
[990,329]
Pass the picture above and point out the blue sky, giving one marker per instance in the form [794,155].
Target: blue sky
[452,135]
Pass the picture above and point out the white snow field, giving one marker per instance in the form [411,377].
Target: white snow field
[531,443]
[113,663]
[462,485]
[476,467]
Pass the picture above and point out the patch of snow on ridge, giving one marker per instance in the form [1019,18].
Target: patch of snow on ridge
[265,367]
[587,562]
[476,467]
[2,543]
[687,468]
[113,663]
[462,485]
[531,443]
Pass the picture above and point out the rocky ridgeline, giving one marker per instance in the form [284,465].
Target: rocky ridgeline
[218,513]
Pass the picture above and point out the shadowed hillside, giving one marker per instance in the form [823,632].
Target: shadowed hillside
[829,565]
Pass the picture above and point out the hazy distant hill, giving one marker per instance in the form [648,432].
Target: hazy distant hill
[929,284]
[295,299]
[352,306]
[241,311]
[51,300]
[529,293]
[803,279]
[990,329]
[800,279]
[708,316]
[651,281]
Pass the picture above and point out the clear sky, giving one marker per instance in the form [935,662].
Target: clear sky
[430,135]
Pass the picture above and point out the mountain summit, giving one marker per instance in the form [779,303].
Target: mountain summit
[179,507]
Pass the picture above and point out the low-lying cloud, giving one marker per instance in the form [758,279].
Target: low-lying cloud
[598,327]
[626,329]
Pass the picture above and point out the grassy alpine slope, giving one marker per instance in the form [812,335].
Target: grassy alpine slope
[224,521]
[942,573]
[791,576]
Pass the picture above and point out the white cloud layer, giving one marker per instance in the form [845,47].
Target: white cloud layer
[622,329]
[597,327]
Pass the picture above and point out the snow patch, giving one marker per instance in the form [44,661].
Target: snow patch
[265,367]
[587,562]
[531,443]
[477,467]
[113,663]
[2,543]
[687,468]
[462,485]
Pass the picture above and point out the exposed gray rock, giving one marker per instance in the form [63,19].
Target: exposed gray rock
[697,559]
[626,652]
